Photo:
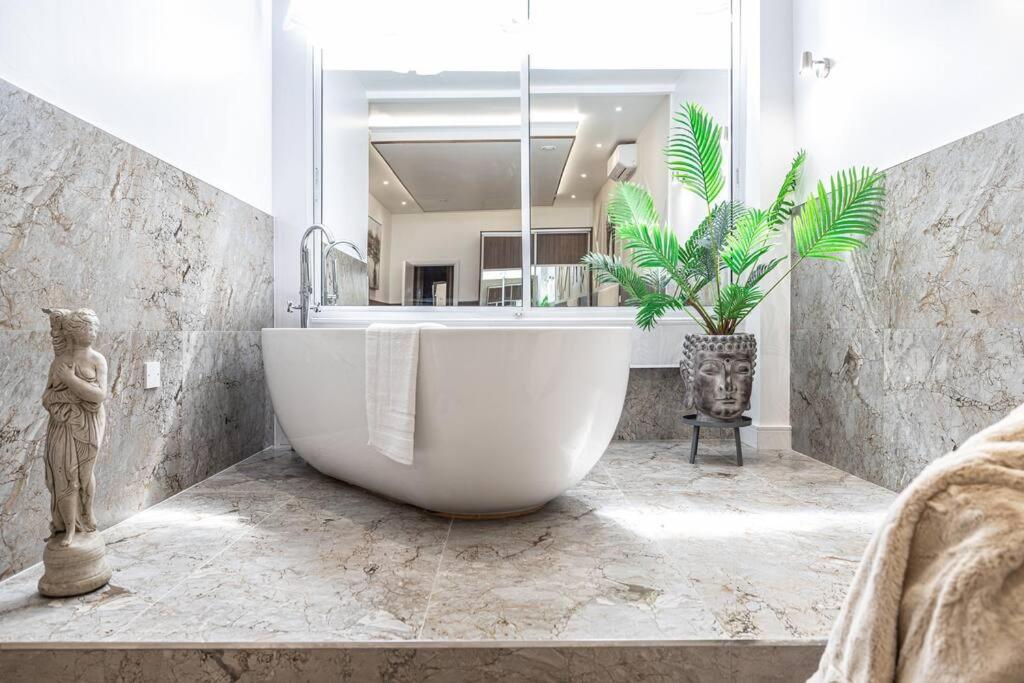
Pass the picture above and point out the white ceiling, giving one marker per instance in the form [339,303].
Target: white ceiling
[599,124]
[599,109]
[464,175]
[422,163]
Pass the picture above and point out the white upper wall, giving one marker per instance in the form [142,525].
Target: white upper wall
[909,76]
[188,81]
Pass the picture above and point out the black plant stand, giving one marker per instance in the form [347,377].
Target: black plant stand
[698,422]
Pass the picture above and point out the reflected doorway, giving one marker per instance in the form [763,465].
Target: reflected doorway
[430,284]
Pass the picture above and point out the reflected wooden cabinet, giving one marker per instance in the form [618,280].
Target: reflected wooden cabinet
[558,277]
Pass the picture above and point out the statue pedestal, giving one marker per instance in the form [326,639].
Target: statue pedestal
[697,421]
[79,568]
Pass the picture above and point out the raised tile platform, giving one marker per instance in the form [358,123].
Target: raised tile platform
[651,567]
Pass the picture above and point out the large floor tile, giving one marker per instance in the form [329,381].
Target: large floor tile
[150,554]
[570,571]
[647,547]
[333,564]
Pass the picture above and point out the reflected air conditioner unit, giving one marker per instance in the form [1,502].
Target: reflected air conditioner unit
[622,162]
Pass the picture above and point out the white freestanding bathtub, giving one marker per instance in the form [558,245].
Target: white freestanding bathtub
[507,418]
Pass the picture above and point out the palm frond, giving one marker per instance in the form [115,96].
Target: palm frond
[631,204]
[837,221]
[699,254]
[720,223]
[657,279]
[748,241]
[649,247]
[736,302]
[694,152]
[761,269]
[611,270]
[694,256]
[655,305]
[782,208]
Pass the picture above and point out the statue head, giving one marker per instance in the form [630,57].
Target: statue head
[82,326]
[57,331]
[718,374]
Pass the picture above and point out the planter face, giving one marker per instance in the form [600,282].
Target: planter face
[718,374]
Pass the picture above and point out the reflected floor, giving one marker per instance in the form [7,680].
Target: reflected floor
[648,547]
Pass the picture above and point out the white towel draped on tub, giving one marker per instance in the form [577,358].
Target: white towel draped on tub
[392,358]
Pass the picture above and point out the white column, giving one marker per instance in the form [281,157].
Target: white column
[765,145]
[292,161]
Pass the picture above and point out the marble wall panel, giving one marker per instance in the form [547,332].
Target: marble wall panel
[941,386]
[178,272]
[932,310]
[837,399]
[653,408]
[609,662]
[87,217]
[953,231]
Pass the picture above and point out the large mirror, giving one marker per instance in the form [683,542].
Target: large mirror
[602,109]
[436,121]
[435,209]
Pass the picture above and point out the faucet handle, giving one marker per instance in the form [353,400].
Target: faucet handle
[315,307]
[292,307]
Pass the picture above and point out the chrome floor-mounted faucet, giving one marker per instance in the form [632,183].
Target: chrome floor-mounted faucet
[306,271]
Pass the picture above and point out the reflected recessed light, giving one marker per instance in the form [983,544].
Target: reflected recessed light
[599,145]
[548,148]
[618,108]
[387,182]
[583,175]
[572,196]
[404,203]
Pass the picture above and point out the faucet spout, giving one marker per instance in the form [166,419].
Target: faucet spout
[306,270]
[306,273]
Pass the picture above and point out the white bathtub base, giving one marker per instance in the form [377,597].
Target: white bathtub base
[507,418]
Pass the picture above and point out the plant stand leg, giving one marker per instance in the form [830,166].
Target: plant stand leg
[693,444]
[739,448]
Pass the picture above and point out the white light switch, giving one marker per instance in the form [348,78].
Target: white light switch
[152,374]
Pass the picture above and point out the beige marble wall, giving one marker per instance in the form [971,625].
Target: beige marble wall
[707,662]
[178,271]
[653,409]
[917,342]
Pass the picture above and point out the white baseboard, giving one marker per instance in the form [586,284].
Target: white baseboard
[768,437]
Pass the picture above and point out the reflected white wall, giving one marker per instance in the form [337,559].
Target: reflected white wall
[379,213]
[455,236]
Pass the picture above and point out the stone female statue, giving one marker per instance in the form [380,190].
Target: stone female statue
[75,390]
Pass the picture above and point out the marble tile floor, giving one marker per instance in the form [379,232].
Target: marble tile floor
[647,549]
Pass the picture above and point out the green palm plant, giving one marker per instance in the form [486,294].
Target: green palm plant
[716,275]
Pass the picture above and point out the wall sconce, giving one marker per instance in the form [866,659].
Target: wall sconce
[809,64]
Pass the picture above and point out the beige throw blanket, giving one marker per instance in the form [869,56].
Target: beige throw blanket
[939,595]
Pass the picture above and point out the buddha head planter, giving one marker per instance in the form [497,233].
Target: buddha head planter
[718,374]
